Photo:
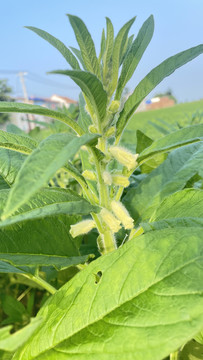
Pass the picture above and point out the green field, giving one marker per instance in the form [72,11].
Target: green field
[157,123]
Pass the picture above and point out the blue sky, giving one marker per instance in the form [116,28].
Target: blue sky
[178,26]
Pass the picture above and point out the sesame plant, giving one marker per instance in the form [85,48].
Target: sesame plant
[123,224]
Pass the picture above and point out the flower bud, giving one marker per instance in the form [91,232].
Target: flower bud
[124,156]
[110,220]
[114,107]
[120,180]
[110,131]
[122,214]
[107,178]
[89,175]
[83,227]
[92,129]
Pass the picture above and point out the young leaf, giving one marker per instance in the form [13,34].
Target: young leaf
[118,325]
[6,106]
[125,49]
[169,177]
[102,46]
[166,68]
[107,58]
[92,87]
[86,44]
[134,54]
[67,54]
[41,165]
[119,43]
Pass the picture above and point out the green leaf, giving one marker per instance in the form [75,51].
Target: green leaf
[41,165]
[92,321]
[126,48]
[191,351]
[107,57]
[12,342]
[92,87]
[181,209]
[166,68]
[143,141]
[3,184]
[33,260]
[102,46]
[7,268]
[6,106]
[119,43]
[49,241]
[47,202]
[13,308]
[171,141]
[169,177]
[67,54]
[134,54]
[86,44]
[16,142]
[79,56]
[10,164]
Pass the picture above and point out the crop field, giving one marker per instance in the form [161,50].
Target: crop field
[157,123]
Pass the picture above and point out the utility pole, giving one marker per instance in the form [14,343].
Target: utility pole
[22,80]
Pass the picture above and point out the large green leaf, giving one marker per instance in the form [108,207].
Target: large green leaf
[153,302]
[134,54]
[119,43]
[41,165]
[166,68]
[47,202]
[86,44]
[67,54]
[6,106]
[32,260]
[181,209]
[168,178]
[171,141]
[92,87]
[45,240]
[22,144]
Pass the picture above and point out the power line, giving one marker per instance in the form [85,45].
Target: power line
[38,78]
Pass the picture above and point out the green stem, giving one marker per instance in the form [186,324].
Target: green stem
[90,196]
[103,193]
[174,355]
[42,283]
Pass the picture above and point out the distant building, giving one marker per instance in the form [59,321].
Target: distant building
[156,103]
[62,100]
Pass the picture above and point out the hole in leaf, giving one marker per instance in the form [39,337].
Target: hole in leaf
[98,276]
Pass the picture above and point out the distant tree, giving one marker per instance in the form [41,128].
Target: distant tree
[5,92]
[168,93]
